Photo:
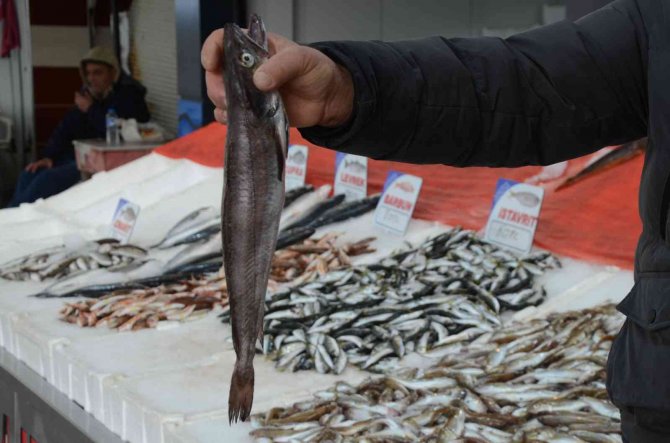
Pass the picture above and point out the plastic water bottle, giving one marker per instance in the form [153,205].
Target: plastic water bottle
[112,125]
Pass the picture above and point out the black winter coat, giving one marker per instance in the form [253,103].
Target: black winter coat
[540,97]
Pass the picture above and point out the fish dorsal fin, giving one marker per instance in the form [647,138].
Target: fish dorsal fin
[257,31]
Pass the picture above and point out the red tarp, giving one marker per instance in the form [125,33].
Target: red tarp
[595,219]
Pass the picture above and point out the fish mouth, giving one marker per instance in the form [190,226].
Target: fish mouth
[241,90]
[236,37]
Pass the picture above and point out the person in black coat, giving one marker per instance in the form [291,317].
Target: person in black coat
[105,86]
[537,98]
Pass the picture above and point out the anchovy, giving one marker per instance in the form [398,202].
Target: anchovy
[253,199]
[465,396]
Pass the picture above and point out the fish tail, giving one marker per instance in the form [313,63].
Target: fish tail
[241,395]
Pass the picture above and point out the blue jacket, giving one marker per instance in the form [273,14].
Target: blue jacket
[127,98]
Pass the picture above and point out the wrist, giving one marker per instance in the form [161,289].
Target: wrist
[341,103]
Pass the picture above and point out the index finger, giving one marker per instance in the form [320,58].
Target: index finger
[212,51]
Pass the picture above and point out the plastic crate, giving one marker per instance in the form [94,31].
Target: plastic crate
[33,411]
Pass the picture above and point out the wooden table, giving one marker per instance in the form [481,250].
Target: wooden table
[95,155]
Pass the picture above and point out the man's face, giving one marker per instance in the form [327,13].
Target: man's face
[99,77]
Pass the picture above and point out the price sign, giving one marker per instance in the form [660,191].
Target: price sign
[124,219]
[396,205]
[296,166]
[514,216]
[351,176]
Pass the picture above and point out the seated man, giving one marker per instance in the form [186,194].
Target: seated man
[105,87]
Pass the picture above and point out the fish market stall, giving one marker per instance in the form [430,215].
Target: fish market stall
[136,333]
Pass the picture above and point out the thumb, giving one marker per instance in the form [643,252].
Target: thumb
[281,68]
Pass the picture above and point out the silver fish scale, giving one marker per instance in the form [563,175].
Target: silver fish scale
[454,280]
[60,262]
[464,395]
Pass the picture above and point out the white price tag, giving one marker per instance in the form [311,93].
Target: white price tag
[123,222]
[351,176]
[513,219]
[296,166]
[396,205]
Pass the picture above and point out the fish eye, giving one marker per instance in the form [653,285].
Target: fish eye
[246,60]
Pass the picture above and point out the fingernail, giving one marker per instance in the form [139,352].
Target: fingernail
[262,80]
[220,115]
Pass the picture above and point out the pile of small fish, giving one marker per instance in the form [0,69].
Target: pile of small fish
[313,209]
[538,381]
[145,308]
[186,299]
[198,239]
[451,287]
[60,262]
[314,258]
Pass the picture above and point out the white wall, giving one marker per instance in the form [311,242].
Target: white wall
[64,46]
[153,57]
[312,20]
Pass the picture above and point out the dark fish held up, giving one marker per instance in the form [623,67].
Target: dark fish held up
[253,199]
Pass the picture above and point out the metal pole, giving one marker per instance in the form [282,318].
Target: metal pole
[115,29]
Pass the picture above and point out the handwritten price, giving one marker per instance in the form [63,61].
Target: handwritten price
[506,233]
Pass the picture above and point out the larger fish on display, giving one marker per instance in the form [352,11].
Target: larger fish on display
[253,198]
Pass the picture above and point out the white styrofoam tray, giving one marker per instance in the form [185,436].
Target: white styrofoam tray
[83,368]
[151,403]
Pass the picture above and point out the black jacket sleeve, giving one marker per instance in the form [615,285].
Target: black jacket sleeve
[127,99]
[554,93]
